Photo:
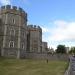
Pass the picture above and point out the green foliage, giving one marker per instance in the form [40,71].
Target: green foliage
[72,51]
[61,49]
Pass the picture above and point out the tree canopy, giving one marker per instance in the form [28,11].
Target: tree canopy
[61,49]
[72,51]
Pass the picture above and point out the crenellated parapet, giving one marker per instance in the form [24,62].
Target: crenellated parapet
[34,28]
[12,10]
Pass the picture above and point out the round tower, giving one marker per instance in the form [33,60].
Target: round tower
[14,22]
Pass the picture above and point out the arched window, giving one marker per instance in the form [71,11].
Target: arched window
[12,31]
[11,44]
[23,33]
[13,21]
[22,45]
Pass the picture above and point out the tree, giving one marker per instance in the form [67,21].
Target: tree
[61,49]
[72,51]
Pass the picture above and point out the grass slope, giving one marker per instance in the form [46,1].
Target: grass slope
[31,67]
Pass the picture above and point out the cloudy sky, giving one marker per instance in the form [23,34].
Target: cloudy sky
[56,17]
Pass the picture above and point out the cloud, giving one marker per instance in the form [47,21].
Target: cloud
[44,29]
[60,23]
[5,2]
[62,32]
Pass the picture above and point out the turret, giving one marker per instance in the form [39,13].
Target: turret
[13,9]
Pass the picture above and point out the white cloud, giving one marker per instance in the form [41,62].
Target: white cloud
[60,23]
[44,29]
[5,2]
[62,32]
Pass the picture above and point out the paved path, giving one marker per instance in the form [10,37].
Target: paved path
[72,66]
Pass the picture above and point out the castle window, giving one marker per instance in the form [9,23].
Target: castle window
[13,20]
[11,44]
[22,45]
[23,33]
[12,32]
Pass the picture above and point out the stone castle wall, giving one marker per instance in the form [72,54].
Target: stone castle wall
[35,40]
[13,9]
[14,22]
[45,56]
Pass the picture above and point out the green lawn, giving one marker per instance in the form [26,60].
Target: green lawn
[31,67]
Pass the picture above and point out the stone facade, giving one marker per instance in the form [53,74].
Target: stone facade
[34,38]
[1,35]
[16,38]
[13,33]
[46,56]
[44,47]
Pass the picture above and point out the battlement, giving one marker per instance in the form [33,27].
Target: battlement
[13,9]
[34,27]
[9,7]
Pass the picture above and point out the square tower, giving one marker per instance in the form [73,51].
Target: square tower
[34,43]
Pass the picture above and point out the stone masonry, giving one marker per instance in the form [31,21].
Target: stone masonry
[13,29]
[34,38]
[16,38]
[44,47]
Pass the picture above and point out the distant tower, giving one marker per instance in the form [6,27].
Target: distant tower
[14,23]
[34,38]
[44,47]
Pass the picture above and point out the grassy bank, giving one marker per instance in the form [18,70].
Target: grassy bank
[31,67]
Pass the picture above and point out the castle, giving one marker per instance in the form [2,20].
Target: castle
[16,37]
